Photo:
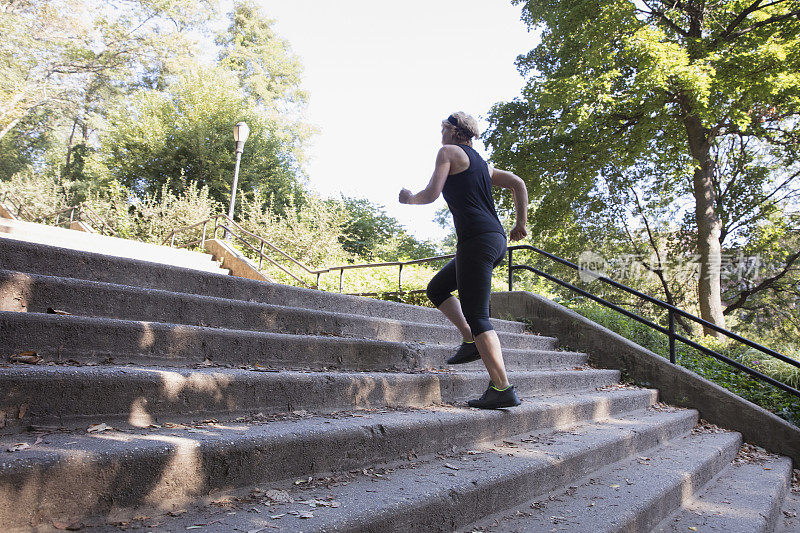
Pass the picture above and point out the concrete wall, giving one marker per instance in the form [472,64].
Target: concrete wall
[79,225]
[5,213]
[677,386]
[233,260]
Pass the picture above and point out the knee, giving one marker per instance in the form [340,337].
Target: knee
[478,324]
[436,294]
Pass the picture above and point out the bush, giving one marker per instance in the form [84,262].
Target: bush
[740,383]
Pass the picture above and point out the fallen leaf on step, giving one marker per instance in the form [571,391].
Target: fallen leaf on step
[58,312]
[279,496]
[18,447]
[451,467]
[615,486]
[96,428]
[306,515]
[29,357]
[22,409]
[177,513]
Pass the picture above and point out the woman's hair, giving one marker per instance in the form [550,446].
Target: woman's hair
[465,128]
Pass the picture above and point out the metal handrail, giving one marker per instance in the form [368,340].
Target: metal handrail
[671,311]
[83,212]
[18,205]
[232,228]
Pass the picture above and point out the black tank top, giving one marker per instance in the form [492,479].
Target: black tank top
[469,196]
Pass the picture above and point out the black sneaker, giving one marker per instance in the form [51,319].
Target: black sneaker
[467,352]
[495,399]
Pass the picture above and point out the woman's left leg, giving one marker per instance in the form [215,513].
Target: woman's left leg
[474,265]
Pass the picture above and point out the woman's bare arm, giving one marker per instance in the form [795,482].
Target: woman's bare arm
[508,180]
[430,193]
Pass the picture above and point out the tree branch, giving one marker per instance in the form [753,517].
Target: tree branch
[735,22]
[764,285]
[663,16]
[771,20]
[659,272]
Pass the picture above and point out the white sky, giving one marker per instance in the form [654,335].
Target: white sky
[381,76]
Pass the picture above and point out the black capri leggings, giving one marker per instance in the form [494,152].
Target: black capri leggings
[471,273]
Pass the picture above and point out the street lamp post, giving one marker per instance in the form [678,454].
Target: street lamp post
[240,134]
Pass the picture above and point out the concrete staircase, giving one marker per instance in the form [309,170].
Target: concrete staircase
[104,244]
[178,399]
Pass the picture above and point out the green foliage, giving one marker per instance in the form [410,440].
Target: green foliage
[772,309]
[187,131]
[26,144]
[149,219]
[309,233]
[261,59]
[370,233]
[71,56]
[767,396]
[269,73]
[663,114]
[42,193]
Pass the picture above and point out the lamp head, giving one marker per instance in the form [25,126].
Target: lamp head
[241,132]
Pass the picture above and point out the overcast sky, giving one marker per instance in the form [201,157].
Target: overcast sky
[383,75]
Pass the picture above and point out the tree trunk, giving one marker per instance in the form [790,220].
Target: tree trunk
[709,226]
[69,146]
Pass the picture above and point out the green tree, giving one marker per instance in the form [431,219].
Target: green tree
[263,61]
[268,70]
[160,136]
[694,106]
[768,303]
[370,233]
[70,54]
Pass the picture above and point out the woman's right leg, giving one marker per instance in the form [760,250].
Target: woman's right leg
[439,292]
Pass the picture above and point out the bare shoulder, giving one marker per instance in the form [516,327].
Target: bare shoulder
[456,156]
[452,150]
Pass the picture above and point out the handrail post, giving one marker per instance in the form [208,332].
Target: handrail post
[172,240]
[203,244]
[318,273]
[400,279]
[671,315]
[510,270]
[341,275]
[260,254]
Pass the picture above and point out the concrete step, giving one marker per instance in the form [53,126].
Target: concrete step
[103,244]
[634,494]
[790,521]
[89,242]
[37,293]
[746,497]
[140,396]
[51,261]
[84,474]
[59,338]
[445,492]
